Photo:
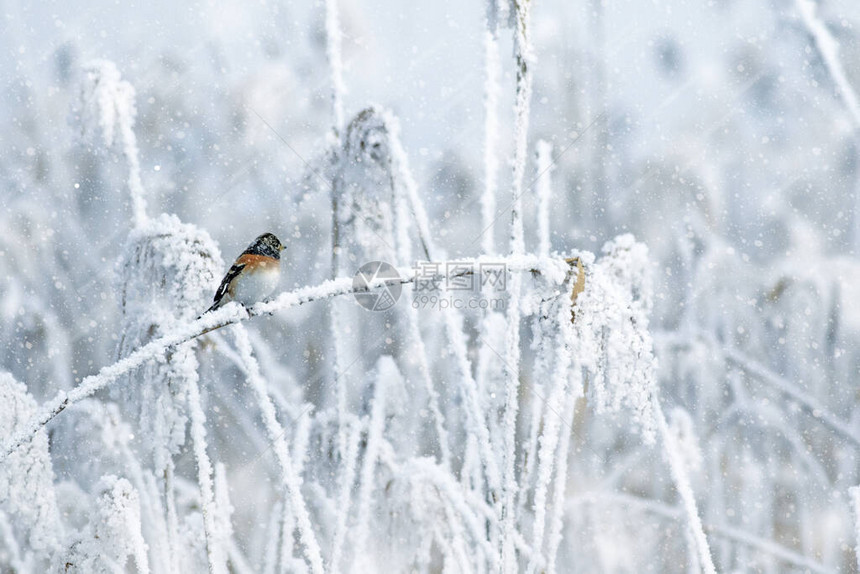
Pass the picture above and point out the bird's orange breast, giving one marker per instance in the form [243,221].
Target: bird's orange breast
[256,262]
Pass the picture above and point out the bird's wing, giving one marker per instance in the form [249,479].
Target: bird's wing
[224,288]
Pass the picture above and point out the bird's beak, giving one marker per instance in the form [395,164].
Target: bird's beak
[282,247]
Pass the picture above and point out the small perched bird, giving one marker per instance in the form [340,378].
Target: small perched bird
[254,274]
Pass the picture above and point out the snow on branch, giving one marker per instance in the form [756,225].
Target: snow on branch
[552,270]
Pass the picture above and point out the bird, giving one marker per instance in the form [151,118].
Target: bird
[254,274]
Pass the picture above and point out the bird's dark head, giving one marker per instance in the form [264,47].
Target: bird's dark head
[266,244]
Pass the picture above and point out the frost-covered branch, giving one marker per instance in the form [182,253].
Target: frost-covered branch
[552,270]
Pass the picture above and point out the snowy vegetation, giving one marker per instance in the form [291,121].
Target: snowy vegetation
[626,335]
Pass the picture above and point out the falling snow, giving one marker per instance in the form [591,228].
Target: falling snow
[620,323]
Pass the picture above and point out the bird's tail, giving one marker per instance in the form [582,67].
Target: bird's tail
[209,310]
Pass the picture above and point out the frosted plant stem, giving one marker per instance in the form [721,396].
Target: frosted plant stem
[523,104]
[557,508]
[113,99]
[350,456]
[512,350]
[453,327]
[237,559]
[288,525]
[404,178]
[404,255]
[301,437]
[475,421]
[141,558]
[424,371]
[232,314]
[336,319]
[808,404]
[172,521]
[552,425]
[828,47]
[854,492]
[375,430]
[270,553]
[289,479]
[11,544]
[544,195]
[512,379]
[345,449]
[204,476]
[334,40]
[170,517]
[674,513]
[135,185]
[492,71]
[685,490]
